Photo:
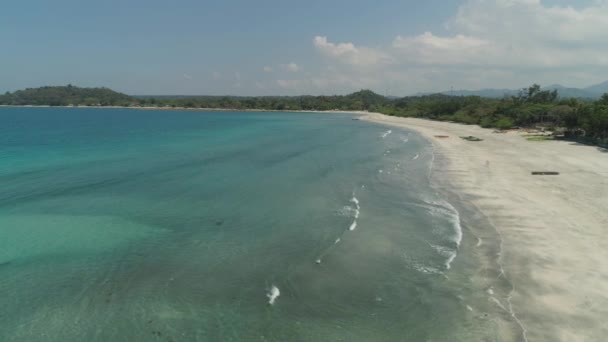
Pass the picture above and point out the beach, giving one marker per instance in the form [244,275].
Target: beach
[553,248]
[127,225]
[151,227]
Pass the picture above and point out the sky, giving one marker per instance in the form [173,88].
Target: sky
[283,47]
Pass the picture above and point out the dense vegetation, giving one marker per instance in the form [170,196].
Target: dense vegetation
[66,96]
[531,107]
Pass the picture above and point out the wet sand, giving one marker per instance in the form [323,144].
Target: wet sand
[554,246]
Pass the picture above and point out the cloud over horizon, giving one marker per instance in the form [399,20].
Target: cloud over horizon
[500,43]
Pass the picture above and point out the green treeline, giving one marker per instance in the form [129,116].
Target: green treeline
[66,96]
[531,107]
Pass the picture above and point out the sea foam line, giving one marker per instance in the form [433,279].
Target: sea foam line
[385,134]
[353,226]
[446,252]
[273,294]
[444,209]
[499,261]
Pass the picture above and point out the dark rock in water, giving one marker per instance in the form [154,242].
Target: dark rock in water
[219,223]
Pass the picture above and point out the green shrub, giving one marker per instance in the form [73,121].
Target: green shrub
[465,118]
[504,123]
[487,122]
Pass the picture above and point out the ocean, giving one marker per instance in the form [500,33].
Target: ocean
[135,225]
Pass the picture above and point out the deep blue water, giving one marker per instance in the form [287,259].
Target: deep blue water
[131,225]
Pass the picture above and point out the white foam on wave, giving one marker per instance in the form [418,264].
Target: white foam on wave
[350,211]
[416,156]
[446,252]
[385,134]
[357,207]
[419,267]
[444,209]
[426,269]
[353,226]
[274,292]
[498,303]
[406,138]
[347,211]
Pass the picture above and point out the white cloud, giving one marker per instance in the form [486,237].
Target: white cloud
[268,69]
[291,67]
[430,49]
[514,33]
[350,54]
[489,43]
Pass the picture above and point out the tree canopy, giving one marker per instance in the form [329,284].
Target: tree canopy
[531,106]
[66,96]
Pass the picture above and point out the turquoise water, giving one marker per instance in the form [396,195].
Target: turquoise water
[127,225]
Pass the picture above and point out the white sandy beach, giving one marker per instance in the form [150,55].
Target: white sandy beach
[553,228]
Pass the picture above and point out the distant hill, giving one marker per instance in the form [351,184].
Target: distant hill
[368,98]
[65,96]
[572,92]
[598,89]
[591,92]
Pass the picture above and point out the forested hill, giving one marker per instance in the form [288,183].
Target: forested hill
[66,96]
[532,106]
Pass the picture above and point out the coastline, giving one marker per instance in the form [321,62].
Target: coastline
[552,249]
[191,109]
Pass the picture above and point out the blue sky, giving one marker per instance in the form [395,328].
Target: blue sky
[301,47]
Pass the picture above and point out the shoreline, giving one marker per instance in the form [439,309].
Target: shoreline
[192,109]
[553,253]
[552,249]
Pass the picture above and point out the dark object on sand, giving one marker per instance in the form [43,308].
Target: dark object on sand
[471,138]
[442,136]
[545,173]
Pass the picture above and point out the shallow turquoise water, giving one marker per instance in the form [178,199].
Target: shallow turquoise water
[127,225]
